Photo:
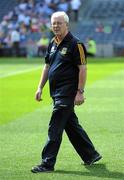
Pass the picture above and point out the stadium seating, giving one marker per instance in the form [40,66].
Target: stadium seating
[6,6]
[102,20]
[105,9]
[99,19]
[90,30]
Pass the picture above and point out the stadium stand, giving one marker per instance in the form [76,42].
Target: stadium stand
[104,22]
[32,19]
[99,9]
[101,20]
[6,6]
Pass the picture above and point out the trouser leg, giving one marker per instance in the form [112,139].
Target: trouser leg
[59,117]
[79,138]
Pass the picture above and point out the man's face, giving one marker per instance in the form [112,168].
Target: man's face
[59,26]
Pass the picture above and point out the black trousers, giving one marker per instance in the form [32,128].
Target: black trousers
[64,118]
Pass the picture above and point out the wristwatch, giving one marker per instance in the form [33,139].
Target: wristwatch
[80,91]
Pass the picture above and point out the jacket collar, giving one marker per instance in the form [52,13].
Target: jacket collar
[67,38]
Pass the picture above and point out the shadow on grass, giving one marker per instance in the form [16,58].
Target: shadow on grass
[96,170]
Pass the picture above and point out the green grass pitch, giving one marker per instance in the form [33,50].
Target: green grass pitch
[24,122]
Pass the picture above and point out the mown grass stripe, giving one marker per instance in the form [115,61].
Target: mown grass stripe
[16,72]
[21,141]
[17,92]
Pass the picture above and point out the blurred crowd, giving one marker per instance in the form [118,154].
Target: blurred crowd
[31,16]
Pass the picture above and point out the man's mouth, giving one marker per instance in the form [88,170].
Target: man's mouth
[56,30]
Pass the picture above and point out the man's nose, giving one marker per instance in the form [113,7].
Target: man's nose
[56,25]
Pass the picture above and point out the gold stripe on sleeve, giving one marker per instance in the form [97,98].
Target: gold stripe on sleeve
[82,55]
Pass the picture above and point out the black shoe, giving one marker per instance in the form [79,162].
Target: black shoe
[40,168]
[97,157]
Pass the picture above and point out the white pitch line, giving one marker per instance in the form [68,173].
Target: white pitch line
[18,72]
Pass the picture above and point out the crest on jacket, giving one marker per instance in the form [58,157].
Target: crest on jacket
[64,51]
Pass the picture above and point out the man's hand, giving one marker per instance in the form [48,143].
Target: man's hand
[79,99]
[38,94]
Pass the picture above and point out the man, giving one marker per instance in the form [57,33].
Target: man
[15,39]
[42,45]
[66,70]
[75,6]
[91,47]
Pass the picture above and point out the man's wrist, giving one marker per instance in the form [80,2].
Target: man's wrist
[39,89]
[81,91]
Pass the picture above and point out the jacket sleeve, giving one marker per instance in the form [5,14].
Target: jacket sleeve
[79,54]
[47,61]
[47,55]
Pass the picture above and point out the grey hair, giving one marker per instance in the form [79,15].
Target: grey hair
[60,13]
